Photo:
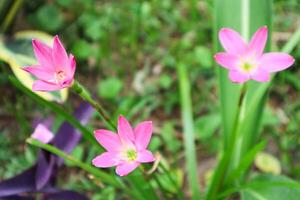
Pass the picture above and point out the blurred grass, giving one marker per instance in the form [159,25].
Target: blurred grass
[127,53]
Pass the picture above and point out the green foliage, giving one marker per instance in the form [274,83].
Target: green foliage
[265,187]
[46,12]
[137,47]
[110,88]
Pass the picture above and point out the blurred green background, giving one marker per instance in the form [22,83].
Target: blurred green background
[126,53]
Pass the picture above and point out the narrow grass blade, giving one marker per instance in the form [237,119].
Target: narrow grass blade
[55,108]
[188,131]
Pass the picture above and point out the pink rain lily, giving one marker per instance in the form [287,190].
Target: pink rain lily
[55,69]
[42,133]
[127,149]
[247,61]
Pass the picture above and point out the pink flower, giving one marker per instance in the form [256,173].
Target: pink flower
[55,69]
[127,149]
[42,133]
[247,61]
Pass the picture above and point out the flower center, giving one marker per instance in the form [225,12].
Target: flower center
[247,67]
[131,155]
[60,76]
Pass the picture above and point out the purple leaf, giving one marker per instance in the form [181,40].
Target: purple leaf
[41,177]
[64,195]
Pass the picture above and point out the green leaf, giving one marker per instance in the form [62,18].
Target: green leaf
[82,49]
[49,18]
[169,137]
[188,130]
[110,88]
[246,162]
[203,56]
[207,125]
[270,187]
[17,52]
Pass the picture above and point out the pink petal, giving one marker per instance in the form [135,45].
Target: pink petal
[109,140]
[43,54]
[258,41]
[60,57]
[72,65]
[238,77]
[125,168]
[107,159]
[232,41]
[274,62]
[226,60]
[261,75]
[125,131]
[145,156]
[40,73]
[39,85]
[143,133]
[42,133]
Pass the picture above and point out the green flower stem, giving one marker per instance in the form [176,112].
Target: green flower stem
[188,131]
[81,91]
[224,164]
[104,177]
[180,194]
[11,14]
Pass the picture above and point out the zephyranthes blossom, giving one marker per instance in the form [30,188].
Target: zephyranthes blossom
[247,61]
[55,69]
[127,149]
[42,133]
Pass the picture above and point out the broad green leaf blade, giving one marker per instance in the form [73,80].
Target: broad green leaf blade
[17,52]
[266,187]
[246,162]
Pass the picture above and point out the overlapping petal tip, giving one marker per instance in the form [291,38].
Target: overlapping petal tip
[107,159]
[238,77]
[109,140]
[274,62]
[145,156]
[125,130]
[59,55]
[226,60]
[39,72]
[72,65]
[125,168]
[231,41]
[143,134]
[43,53]
[261,75]
[259,40]
[43,86]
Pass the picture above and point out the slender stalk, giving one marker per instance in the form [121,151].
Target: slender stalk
[88,168]
[180,194]
[224,164]
[188,131]
[11,14]
[104,177]
[85,95]
[292,42]
[86,133]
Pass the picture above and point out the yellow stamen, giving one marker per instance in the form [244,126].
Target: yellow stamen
[131,155]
